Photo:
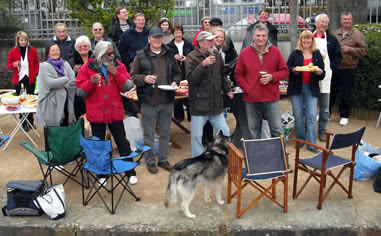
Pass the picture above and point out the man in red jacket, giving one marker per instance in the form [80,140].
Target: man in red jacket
[259,69]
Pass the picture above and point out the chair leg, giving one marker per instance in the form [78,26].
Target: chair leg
[350,182]
[229,197]
[239,199]
[321,190]
[273,190]
[295,181]
[285,194]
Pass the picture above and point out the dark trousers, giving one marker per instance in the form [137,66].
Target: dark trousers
[129,108]
[119,134]
[29,88]
[341,88]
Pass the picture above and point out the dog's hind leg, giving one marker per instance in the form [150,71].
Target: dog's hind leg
[187,192]
[219,193]
[207,193]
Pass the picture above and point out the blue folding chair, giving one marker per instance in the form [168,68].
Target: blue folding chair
[262,159]
[320,165]
[100,164]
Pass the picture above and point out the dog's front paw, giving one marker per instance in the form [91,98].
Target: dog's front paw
[207,200]
[189,215]
[221,202]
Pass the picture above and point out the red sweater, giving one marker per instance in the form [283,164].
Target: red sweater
[247,74]
[103,103]
[33,64]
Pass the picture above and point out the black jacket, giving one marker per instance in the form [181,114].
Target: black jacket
[66,47]
[114,47]
[229,50]
[115,33]
[334,52]
[131,42]
[295,83]
[144,59]
[77,59]
[187,48]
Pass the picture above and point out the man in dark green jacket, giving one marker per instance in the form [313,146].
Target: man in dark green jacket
[205,74]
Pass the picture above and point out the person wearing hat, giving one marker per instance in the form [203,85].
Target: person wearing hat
[205,74]
[153,66]
[205,26]
[273,32]
[166,26]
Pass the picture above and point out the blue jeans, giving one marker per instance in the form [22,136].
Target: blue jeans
[197,124]
[304,108]
[323,111]
[255,112]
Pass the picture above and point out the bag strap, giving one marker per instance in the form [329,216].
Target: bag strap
[4,210]
[59,197]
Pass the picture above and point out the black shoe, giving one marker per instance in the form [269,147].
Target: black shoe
[165,165]
[25,126]
[152,168]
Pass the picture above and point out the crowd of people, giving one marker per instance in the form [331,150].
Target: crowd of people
[86,76]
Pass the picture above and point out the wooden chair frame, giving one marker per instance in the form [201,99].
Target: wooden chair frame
[236,159]
[320,175]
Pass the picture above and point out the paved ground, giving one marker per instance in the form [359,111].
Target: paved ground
[339,215]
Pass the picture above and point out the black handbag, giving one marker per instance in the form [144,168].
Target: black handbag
[20,197]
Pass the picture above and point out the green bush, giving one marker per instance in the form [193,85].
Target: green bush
[368,77]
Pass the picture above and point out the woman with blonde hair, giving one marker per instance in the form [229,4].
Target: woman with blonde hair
[23,60]
[303,87]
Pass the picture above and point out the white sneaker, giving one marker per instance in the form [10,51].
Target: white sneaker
[102,181]
[344,121]
[133,180]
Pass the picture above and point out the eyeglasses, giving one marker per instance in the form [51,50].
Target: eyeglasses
[97,29]
[206,22]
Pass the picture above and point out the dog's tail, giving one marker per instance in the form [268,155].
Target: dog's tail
[171,194]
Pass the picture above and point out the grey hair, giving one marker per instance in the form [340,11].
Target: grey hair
[82,39]
[346,13]
[260,27]
[100,50]
[317,18]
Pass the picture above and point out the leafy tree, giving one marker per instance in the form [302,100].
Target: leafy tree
[90,11]
[153,10]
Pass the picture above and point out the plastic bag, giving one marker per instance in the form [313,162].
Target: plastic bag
[133,130]
[366,167]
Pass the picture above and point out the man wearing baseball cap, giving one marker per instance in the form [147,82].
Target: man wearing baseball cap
[153,66]
[205,74]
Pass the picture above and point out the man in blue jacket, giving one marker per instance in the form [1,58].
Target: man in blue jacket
[133,40]
[65,43]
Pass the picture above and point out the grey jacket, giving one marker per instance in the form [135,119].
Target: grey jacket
[52,96]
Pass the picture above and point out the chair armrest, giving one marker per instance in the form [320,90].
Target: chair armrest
[312,144]
[236,150]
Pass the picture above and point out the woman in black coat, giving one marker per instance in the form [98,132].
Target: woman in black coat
[303,87]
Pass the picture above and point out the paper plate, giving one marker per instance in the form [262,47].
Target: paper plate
[167,87]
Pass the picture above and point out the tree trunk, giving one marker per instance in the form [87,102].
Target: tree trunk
[358,8]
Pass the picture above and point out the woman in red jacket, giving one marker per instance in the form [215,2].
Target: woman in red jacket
[23,60]
[100,81]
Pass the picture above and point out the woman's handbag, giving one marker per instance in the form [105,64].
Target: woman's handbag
[52,202]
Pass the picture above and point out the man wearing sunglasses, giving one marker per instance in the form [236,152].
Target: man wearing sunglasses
[98,32]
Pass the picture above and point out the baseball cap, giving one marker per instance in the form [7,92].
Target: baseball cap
[215,21]
[205,35]
[155,32]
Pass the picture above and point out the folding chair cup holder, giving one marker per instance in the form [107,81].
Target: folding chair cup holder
[100,164]
[262,159]
[319,166]
[62,146]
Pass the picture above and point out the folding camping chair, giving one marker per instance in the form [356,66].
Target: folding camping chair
[100,164]
[320,165]
[62,146]
[264,159]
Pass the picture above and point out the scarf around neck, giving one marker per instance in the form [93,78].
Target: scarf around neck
[58,65]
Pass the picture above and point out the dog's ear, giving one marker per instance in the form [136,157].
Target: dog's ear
[220,134]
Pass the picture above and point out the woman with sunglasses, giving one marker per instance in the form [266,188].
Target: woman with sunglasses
[100,81]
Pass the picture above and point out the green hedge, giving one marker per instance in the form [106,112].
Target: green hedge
[368,77]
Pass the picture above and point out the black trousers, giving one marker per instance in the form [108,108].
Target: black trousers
[119,134]
[29,88]
[342,84]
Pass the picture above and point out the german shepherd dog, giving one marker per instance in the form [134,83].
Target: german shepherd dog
[208,168]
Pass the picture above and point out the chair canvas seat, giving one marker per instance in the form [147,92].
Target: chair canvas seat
[333,161]
[267,176]
[119,166]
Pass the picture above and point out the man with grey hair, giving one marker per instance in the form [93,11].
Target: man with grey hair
[100,81]
[330,49]
[64,41]
[98,32]
[353,47]
[259,69]
[156,74]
